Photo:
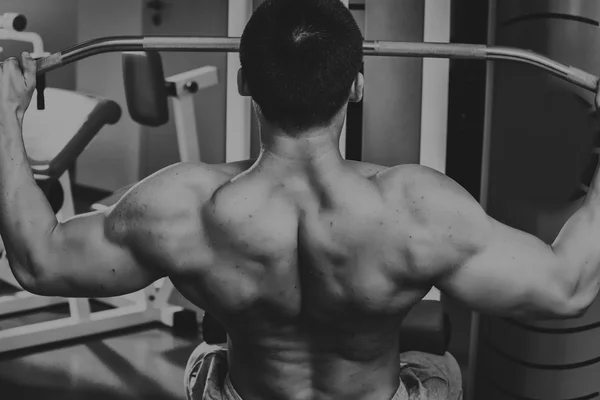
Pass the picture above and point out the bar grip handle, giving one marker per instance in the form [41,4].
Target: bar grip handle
[48,63]
[41,87]
[427,49]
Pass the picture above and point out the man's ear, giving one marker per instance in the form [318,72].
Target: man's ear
[357,90]
[243,89]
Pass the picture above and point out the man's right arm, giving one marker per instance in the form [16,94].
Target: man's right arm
[494,268]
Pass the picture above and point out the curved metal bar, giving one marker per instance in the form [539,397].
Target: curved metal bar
[192,43]
[88,49]
[471,51]
[370,48]
[571,74]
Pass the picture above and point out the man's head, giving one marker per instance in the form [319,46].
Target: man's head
[301,61]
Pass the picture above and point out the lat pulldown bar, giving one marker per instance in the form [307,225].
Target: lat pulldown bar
[371,48]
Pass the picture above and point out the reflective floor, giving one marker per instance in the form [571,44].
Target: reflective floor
[140,365]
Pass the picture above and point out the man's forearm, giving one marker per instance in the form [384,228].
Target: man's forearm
[26,218]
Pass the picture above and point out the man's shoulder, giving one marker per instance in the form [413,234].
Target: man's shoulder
[182,185]
[365,169]
[397,173]
[176,186]
[409,179]
[433,199]
[181,175]
[201,176]
[426,194]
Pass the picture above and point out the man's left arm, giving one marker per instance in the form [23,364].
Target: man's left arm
[87,256]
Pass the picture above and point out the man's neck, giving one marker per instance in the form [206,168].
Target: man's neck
[314,148]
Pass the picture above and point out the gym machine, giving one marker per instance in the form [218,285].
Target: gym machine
[371,48]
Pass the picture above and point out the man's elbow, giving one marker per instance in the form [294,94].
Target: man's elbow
[578,305]
[34,284]
[25,279]
[29,281]
[37,277]
[570,297]
[575,303]
[571,312]
[45,286]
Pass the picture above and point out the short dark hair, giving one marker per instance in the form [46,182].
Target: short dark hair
[299,59]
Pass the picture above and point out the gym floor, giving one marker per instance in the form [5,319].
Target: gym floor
[145,363]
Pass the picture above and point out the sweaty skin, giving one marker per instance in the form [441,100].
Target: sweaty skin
[309,261]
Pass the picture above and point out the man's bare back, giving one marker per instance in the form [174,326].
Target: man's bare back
[308,260]
[307,269]
[309,265]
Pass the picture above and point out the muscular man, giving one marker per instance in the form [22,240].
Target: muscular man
[308,260]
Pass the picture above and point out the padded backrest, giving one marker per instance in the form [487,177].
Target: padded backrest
[145,88]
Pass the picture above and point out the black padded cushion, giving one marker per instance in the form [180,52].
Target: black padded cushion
[105,112]
[145,88]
